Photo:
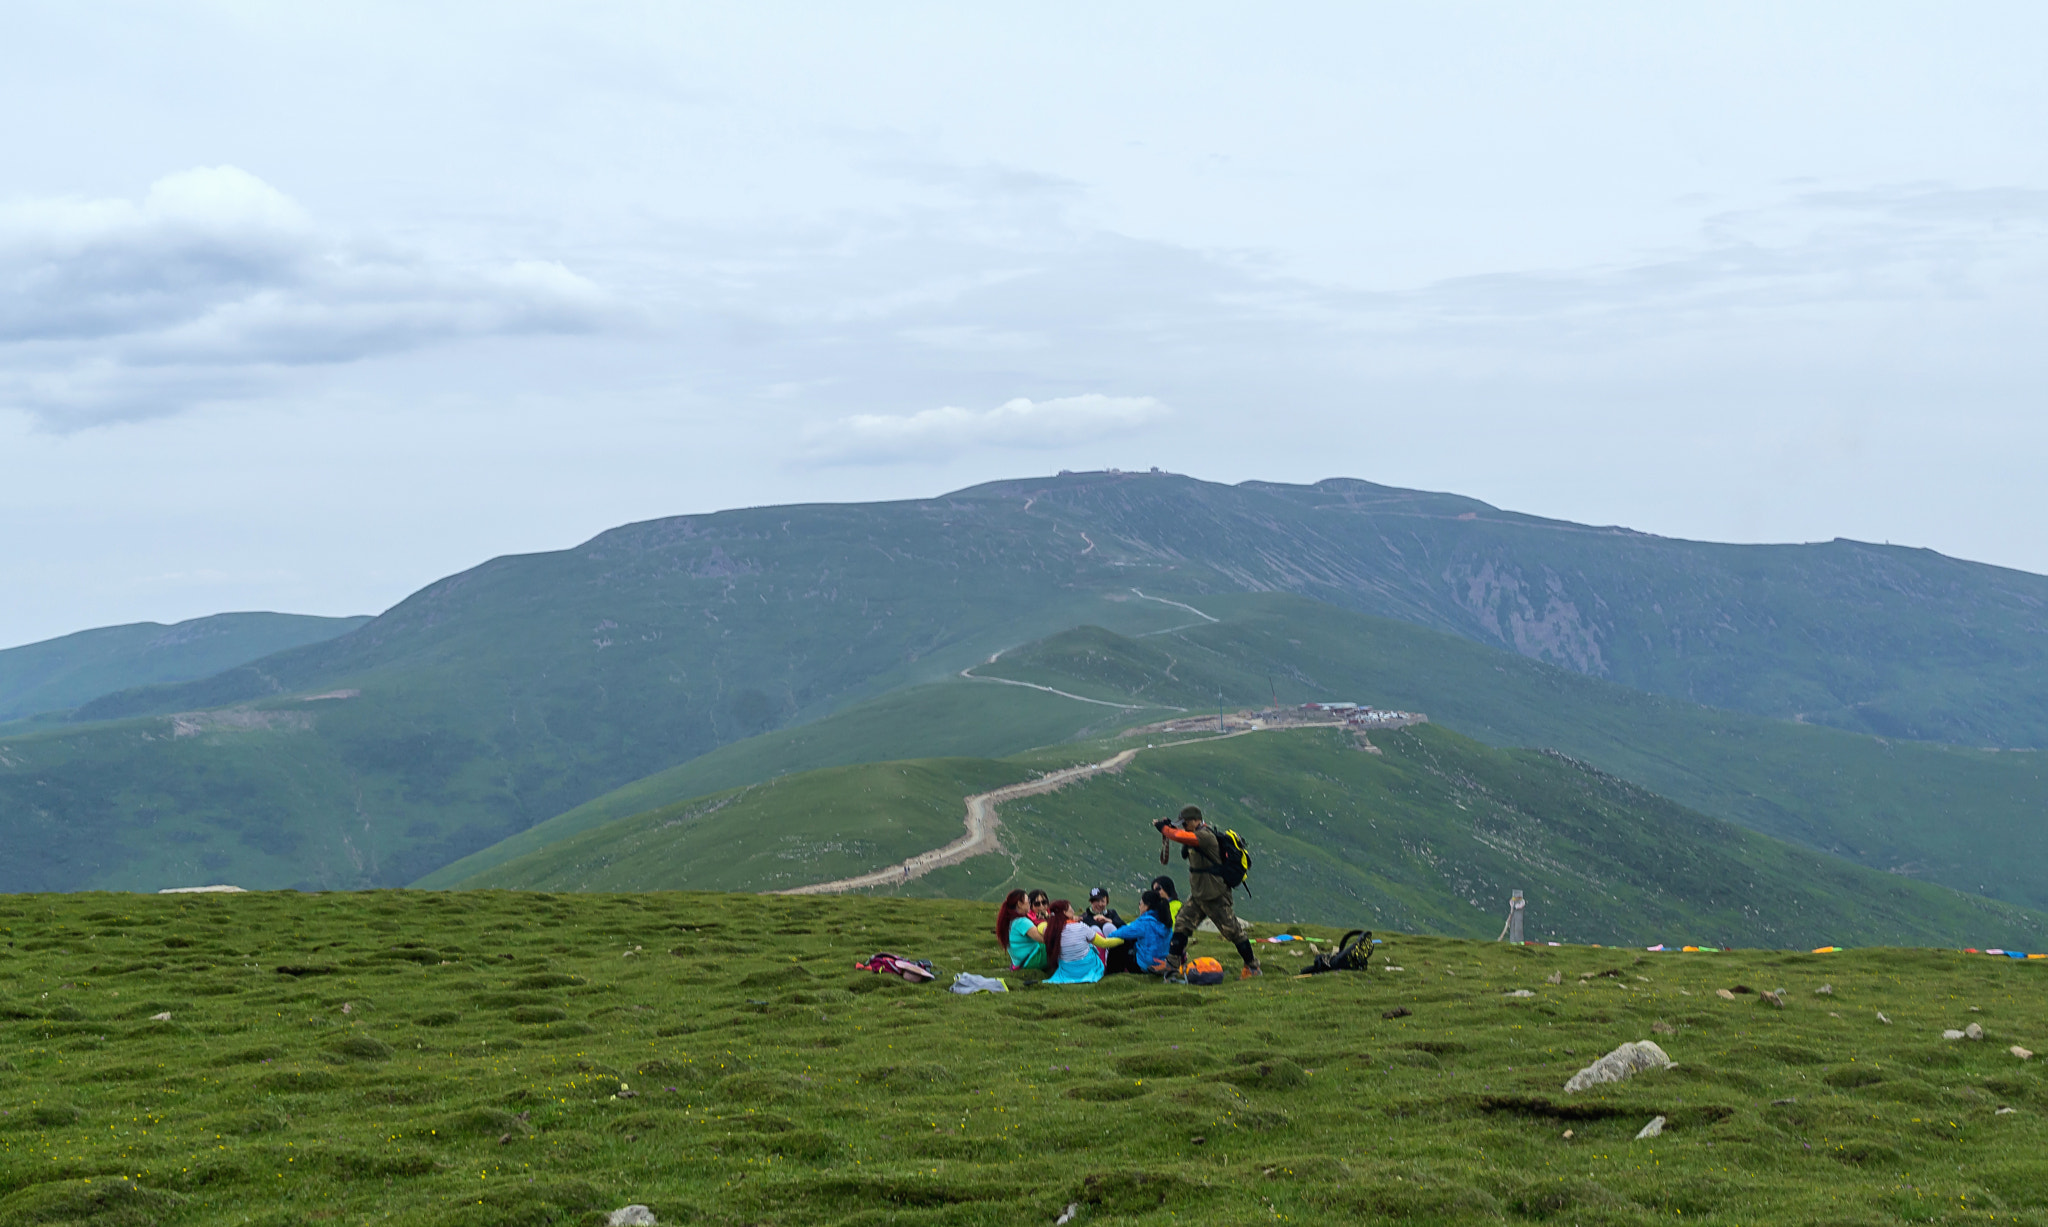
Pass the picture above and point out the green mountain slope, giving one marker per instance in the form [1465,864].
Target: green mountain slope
[1959,817]
[1427,832]
[499,698]
[943,719]
[57,674]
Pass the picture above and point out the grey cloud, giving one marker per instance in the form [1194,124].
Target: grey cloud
[118,310]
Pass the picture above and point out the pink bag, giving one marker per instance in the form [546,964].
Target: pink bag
[916,971]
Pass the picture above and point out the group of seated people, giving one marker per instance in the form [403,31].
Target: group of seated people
[1043,934]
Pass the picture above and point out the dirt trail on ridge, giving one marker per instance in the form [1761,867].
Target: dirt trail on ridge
[981,830]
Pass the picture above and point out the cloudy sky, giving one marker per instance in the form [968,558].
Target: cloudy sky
[302,307]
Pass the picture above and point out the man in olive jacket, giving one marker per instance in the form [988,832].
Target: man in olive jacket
[1208,893]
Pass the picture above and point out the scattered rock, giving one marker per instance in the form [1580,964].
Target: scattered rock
[1653,1129]
[1973,1032]
[1824,990]
[2020,1052]
[348,1007]
[1399,1011]
[1519,992]
[1951,1034]
[1779,1103]
[2003,1112]
[1567,1135]
[1624,1062]
[1556,977]
[1881,1018]
[1776,998]
[163,1017]
[1663,1028]
[1198,1141]
[631,1216]
[1068,1215]
[1724,994]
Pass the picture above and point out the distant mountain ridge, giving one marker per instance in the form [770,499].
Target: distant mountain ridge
[502,696]
[59,674]
[1882,639]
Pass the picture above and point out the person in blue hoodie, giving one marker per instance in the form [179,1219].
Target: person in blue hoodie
[1147,937]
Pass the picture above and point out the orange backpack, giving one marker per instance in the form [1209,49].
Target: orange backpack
[1202,971]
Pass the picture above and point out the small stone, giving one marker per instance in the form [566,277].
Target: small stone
[1556,977]
[1951,1034]
[1653,1129]
[631,1216]
[1779,1103]
[1069,1214]
[2020,1052]
[348,1007]
[1624,1062]
[504,1139]
[1663,1028]
[1824,990]
[1519,992]
[1776,998]
[1567,1135]
[1973,1032]
[1881,1018]
[163,1017]
[2003,1112]
[1198,1141]
[1724,994]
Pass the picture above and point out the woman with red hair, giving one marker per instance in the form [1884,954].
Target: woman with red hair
[1070,947]
[1020,933]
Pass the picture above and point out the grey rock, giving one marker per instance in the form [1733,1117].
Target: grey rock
[1973,1032]
[1624,1062]
[1651,1130]
[1951,1034]
[1519,992]
[632,1216]
[1824,990]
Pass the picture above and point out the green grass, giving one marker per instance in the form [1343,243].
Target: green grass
[465,1059]
[1430,834]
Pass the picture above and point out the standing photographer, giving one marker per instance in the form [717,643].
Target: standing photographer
[1208,892]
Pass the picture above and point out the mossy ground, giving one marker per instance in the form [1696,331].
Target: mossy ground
[496,1058]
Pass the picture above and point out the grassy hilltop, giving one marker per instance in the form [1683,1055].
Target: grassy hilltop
[538,1059]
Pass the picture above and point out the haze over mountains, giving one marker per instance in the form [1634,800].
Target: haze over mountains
[498,698]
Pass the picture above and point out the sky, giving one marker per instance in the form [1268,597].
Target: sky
[303,307]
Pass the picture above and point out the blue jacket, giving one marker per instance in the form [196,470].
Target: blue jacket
[1151,938]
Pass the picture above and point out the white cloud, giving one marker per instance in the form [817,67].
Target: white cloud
[212,282]
[938,434]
